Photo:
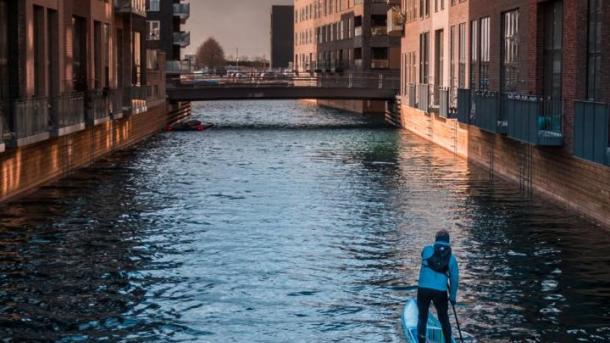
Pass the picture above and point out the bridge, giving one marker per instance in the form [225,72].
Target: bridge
[190,87]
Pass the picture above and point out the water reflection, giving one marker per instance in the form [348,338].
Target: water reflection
[289,223]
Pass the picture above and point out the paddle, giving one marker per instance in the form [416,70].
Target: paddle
[457,322]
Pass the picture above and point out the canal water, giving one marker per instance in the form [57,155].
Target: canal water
[290,223]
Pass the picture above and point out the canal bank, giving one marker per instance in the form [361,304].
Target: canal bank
[555,173]
[285,223]
[24,169]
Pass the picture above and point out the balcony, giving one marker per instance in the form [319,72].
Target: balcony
[396,21]
[464,105]
[177,67]
[485,112]
[138,96]
[379,31]
[358,31]
[182,39]
[591,131]
[380,64]
[116,104]
[182,11]
[67,114]
[423,97]
[534,120]
[30,122]
[98,107]
[412,95]
[443,102]
[135,7]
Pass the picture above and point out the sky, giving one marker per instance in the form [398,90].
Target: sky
[242,24]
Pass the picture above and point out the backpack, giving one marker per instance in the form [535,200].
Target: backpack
[439,261]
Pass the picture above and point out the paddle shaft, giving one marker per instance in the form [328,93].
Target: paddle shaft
[457,322]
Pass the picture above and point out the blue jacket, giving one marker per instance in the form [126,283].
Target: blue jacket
[428,278]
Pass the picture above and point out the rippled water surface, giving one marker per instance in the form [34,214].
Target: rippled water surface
[289,223]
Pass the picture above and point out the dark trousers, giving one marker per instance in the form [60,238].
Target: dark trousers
[441,303]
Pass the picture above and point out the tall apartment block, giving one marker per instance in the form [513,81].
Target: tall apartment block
[515,85]
[282,36]
[76,82]
[345,36]
[164,30]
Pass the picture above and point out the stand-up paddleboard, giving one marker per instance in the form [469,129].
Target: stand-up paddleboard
[409,325]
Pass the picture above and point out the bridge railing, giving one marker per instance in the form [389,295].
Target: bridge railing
[345,80]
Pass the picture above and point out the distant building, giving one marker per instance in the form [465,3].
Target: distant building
[164,20]
[282,33]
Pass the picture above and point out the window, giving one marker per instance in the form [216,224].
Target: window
[154,30]
[153,5]
[152,62]
[474,51]
[424,8]
[594,50]
[462,56]
[484,64]
[510,51]
[452,76]
[4,82]
[439,53]
[423,57]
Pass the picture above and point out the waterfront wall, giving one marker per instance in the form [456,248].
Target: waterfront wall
[553,172]
[355,106]
[26,168]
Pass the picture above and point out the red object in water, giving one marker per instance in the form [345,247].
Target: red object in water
[200,127]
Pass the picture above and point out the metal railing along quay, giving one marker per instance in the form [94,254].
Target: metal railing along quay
[30,121]
[592,131]
[534,120]
[97,107]
[68,113]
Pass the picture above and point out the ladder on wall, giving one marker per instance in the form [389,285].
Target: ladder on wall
[525,169]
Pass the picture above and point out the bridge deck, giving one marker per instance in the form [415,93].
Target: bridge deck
[278,92]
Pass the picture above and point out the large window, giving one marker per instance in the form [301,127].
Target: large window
[439,53]
[553,34]
[484,63]
[423,57]
[452,76]
[462,56]
[153,5]
[3,50]
[474,51]
[154,30]
[510,51]
[594,50]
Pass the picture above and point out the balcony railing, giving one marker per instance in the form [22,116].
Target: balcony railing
[137,7]
[379,31]
[183,39]
[138,96]
[534,120]
[380,64]
[485,112]
[68,114]
[464,105]
[423,99]
[98,107]
[396,21]
[182,10]
[116,103]
[443,106]
[592,131]
[412,95]
[358,31]
[30,121]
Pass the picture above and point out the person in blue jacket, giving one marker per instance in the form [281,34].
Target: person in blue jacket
[438,269]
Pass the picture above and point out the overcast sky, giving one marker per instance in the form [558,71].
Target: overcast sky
[243,24]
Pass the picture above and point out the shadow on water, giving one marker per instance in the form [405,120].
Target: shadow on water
[290,223]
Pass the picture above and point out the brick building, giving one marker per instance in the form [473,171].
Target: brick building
[515,85]
[282,36]
[346,37]
[164,30]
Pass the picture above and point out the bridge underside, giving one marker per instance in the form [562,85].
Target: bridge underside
[278,93]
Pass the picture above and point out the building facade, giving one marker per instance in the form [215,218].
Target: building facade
[344,35]
[76,82]
[164,31]
[515,85]
[282,36]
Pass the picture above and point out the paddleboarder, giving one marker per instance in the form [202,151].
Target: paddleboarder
[438,271]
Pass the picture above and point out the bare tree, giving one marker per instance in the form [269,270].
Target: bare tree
[210,54]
